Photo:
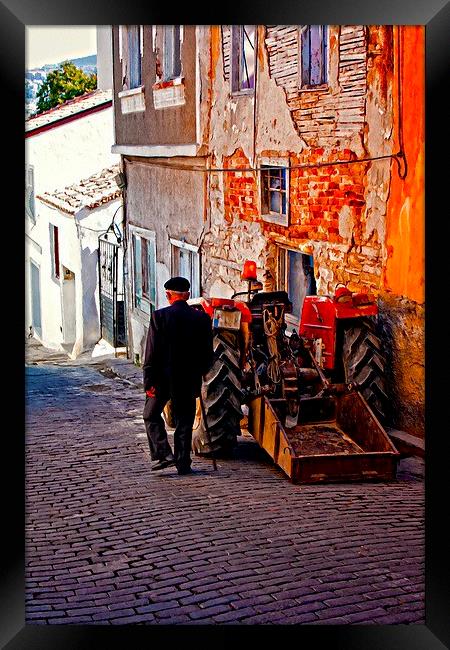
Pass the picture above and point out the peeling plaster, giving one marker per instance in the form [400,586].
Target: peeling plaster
[379,117]
[345,222]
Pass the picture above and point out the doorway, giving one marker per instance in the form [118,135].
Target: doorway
[69,321]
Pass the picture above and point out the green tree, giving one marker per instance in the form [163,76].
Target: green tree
[66,82]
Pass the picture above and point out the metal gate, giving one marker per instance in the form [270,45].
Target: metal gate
[112,295]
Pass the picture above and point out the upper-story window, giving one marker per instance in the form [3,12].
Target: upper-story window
[313,55]
[130,54]
[30,207]
[243,57]
[171,68]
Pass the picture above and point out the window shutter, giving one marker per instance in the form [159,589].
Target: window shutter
[29,193]
[137,270]
[151,250]
[141,39]
[305,56]
[316,54]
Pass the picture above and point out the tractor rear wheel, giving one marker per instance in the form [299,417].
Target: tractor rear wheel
[364,364]
[222,398]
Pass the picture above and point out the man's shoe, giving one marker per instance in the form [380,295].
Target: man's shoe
[185,470]
[161,464]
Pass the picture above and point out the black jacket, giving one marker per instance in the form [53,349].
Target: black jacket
[178,350]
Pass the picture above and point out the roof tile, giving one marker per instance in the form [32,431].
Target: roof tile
[87,193]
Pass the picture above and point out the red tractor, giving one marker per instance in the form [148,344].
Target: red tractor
[335,349]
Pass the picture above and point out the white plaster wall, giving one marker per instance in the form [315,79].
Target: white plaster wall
[68,153]
[51,312]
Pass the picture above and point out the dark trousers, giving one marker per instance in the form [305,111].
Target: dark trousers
[183,408]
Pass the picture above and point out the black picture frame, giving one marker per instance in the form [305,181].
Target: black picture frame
[15,15]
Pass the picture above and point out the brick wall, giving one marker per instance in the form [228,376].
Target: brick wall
[327,211]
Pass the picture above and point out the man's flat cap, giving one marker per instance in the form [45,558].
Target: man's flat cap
[177,284]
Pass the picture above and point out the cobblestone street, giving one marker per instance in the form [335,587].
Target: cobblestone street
[109,542]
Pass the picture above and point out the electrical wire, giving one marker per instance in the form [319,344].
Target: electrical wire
[233,170]
[401,153]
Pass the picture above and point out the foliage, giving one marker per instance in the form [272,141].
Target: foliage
[66,82]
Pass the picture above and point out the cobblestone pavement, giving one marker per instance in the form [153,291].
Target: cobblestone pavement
[109,542]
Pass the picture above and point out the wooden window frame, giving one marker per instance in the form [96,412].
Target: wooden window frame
[146,302]
[171,56]
[237,59]
[324,71]
[125,56]
[195,260]
[280,218]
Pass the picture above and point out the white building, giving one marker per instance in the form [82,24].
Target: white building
[71,222]
[62,146]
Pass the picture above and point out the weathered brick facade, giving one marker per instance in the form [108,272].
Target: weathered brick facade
[338,212]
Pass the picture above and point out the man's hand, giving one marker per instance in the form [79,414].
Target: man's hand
[151,392]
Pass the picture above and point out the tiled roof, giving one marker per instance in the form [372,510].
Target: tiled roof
[88,193]
[68,109]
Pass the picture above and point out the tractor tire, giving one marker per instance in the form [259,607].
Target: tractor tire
[222,399]
[364,364]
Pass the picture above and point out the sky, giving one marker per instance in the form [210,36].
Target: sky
[55,43]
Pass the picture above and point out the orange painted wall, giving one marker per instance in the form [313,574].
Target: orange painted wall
[405,227]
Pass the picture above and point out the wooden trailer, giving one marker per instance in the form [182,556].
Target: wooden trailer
[336,439]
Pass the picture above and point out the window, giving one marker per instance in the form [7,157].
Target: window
[296,276]
[243,57]
[54,251]
[30,208]
[144,272]
[171,52]
[186,262]
[130,53]
[274,194]
[313,55]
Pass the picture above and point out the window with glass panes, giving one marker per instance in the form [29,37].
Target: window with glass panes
[130,54]
[313,55]
[243,57]
[186,263]
[171,52]
[274,197]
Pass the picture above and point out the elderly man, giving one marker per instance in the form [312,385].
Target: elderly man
[178,352]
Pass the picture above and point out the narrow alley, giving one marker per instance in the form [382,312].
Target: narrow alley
[108,542]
